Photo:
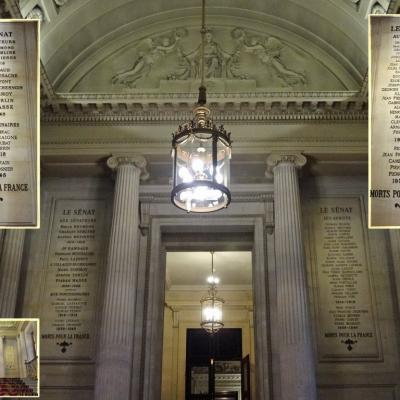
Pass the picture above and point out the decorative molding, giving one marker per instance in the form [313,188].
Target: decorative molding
[192,96]
[298,159]
[108,142]
[137,160]
[148,117]
[60,3]
[257,107]
[353,3]
[36,13]
[47,91]
[377,8]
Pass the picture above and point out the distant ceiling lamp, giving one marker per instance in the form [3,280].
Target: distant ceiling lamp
[211,305]
[201,152]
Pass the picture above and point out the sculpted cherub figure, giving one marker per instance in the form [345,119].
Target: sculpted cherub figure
[273,59]
[269,53]
[149,51]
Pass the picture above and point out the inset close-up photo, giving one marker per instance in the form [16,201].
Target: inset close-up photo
[19,358]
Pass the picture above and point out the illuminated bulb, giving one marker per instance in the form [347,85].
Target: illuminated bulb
[185,175]
[219,178]
[197,165]
[213,279]
[201,193]
[212,314]
[185,195]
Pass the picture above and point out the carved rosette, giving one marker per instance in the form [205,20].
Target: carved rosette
[137,160]
[274,159]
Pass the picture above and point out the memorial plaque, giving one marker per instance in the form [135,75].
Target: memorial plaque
[71,282]
[343,295]
[19,101]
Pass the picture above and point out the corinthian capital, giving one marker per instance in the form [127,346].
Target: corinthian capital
[274,159]
[137,160]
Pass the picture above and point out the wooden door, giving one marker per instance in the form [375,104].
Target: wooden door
[246,378]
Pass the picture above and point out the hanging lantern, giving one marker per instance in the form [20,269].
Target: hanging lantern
[211,305]
[201,152]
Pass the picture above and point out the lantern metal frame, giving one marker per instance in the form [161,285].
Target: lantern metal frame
[201,189]
[202,129]
[212,325]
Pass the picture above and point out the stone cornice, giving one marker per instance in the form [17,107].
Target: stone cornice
[117,109]
[148,97]
[106,143]
[149,117]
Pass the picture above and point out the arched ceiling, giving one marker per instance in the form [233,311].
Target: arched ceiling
[84,43]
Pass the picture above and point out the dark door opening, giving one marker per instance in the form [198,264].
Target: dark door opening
[214,365]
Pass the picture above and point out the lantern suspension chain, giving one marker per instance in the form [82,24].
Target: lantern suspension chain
[213,291]
[201,149]
[202,90]
[203,31]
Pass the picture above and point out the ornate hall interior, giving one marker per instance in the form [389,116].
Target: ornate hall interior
[18,358]
[116,272]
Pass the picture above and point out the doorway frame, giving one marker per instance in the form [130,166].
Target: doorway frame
[263,244]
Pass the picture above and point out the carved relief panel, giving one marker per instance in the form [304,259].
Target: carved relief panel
[236,60]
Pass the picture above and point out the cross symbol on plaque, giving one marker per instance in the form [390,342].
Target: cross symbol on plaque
[64,345]
[349,343]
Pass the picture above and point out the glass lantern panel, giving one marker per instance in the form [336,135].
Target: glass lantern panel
[194,160]
[195,190]
[223,161]
[212,311]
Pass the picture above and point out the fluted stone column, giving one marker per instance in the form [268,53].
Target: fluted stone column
[297,363]
[114,359]
[10,268]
